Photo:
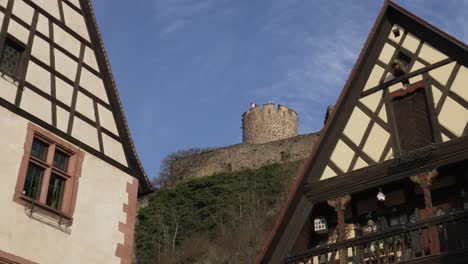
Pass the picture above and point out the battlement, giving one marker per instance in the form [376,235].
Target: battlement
[269,122]
[270,108]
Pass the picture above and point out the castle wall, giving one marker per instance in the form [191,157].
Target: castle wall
[243,156]
[262,125]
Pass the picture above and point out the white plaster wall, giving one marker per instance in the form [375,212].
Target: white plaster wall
[50,6]
[23,11]
[93,84]
[75,21]
[94,233]
[18,31]
[114,149]
[40,50]
[85,133]
[90,58]
[39,77]
[66,41]
[8,90]
[43,25]
[65,65]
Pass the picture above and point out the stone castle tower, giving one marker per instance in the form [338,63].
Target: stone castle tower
[270,123]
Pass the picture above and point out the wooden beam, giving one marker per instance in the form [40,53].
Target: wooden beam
[389,171]
[406,77]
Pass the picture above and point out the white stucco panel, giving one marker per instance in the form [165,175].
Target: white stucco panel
[460,84]
[442,74]
[430,54]
[411,43]
[327,173]
[106,117]
[356,126]
[39,77]
[18,31]
[376,142]
[114,149]
[90,59]
[93,84]
[50,6]
[41,50]
[453,116]
[23,11]
[374,77]
[63,91]
[66,41]
[43,25]
[342,155]
[75,21]
[36,105]
[62,118]
[65,65]
[387,53]
[85,106]
[85,133]
[8,90]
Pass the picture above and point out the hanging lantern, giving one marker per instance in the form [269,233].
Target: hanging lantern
[320,225]
[380,195]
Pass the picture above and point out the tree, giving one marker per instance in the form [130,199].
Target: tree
[165,177]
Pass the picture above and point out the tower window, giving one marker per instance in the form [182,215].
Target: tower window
[10,59]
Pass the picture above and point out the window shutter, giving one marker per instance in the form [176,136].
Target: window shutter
[413,120]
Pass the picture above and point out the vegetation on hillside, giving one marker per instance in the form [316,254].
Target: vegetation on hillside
[219,219]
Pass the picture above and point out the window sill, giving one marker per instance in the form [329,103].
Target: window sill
[44,213]
[9,79]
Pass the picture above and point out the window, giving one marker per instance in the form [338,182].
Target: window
[49,173]
[412,116]
[10,60]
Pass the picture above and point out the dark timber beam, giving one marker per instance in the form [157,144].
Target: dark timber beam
[404,166]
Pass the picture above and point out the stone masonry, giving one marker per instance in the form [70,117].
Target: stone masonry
[270,123]
[269,136]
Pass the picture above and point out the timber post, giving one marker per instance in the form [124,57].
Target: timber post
[424,180]
[340,204]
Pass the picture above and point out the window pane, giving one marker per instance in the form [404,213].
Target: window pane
[32,184]
[39,149]
[10,59]
[60,160]
[55,191]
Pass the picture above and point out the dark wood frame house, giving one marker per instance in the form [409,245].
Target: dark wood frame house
[387,181]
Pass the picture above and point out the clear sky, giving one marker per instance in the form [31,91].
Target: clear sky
[187,69]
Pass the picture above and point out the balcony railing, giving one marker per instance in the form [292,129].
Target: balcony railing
[430,237]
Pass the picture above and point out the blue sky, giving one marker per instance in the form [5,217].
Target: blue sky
[187,69]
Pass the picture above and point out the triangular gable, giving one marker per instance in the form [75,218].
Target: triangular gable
[133,160]
[67,85]
[359,134]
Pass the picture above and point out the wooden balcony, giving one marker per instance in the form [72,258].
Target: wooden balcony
[440,239]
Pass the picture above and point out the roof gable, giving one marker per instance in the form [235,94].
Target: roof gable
[63,81]
[361,130]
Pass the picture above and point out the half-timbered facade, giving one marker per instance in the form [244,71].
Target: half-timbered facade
[387,181]
[69,174]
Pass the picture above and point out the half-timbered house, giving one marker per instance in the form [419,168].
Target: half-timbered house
[387,181]
[69,172]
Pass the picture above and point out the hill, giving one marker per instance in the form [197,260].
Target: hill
[223,218]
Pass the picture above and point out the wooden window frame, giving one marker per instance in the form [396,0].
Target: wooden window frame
[73,173]
[21,65]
